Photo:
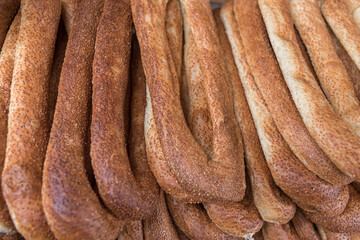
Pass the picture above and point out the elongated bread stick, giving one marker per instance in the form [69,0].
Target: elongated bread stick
[339,18]
[28,125]
[68,11]
[352,70]
[272,231]
[160,225]
[67,194]
[7,58]
[273,88]
[8,9]
[240,219]
[354,7]
[186,159]
[348,221]
[193,221]
[156,158]
[272,205]
[331,133]
[122,194]
[304,227]
[331,72]
[287,171]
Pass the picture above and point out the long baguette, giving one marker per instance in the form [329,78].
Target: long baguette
[273,88]
[339,18]
[304,227]
[194,222]
[67,193]
[331,133]
[28,126]
[332,74]
[242,218]
[348,221]
[272,205]
[155,155]
[8,9]
[7,58]
[303,186]
[187,161]
[122,194]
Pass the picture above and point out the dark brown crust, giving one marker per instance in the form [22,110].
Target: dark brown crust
[72,208]
[122,194]
[194,222]
[334,80]
[132,230]
[15,236]
[303,186]
[8,9]
[7,58]
[272,205]
[348,221]
[273,231]
[273,88]
[160,225]
[304,227]
[330,132]
[28,125]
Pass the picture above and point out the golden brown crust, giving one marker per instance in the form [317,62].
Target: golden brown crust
[328,235]
[68,11]
[352,70]
[338,16]
[273,88]
[242,218]
[64,171]
[332,74]
[355,235]
[8,9]
[194,222]
[348,221]
[354,6]
[186,159]
[156,158]
[160,225]
[132,230]
[304,227]
[7,58]
[28,125]
[330,132]
[272,231]
[122,194]
[303,186]
[272,205]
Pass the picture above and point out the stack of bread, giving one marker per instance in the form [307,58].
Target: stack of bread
[165,119]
